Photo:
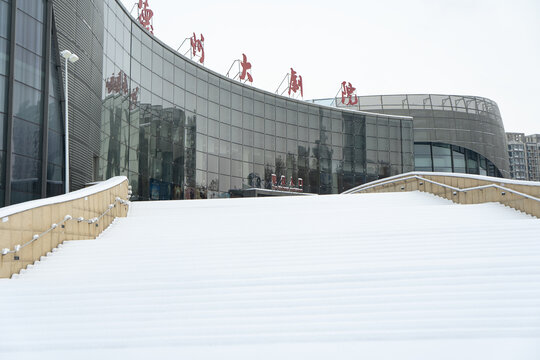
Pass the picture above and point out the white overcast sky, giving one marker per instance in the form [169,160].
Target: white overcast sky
[488,48]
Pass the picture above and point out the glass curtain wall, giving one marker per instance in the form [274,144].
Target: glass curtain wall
[31,131]
[450,158]
[28,101]
[180,131]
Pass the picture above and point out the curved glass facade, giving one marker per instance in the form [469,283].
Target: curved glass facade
[180,131]
[470,123]
[450,158]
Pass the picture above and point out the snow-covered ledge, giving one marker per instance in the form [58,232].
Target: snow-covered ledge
[462,188]
[32,229]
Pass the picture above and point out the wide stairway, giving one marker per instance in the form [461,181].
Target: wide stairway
[371,276]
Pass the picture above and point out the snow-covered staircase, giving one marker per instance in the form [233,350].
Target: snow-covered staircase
[372,276]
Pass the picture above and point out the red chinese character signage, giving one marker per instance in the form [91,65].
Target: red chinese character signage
[347,92]
[145,16]
[295,83]
[118,84]
[245,67]
[197,46]
[282,184]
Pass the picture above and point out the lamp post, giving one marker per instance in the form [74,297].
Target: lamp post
[67,55]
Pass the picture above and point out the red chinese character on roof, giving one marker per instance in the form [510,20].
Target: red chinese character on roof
[245,67]
[198,46]
[145,15]
[296,83]
[347,92]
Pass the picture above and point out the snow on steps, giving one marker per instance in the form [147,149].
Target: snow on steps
[395,274]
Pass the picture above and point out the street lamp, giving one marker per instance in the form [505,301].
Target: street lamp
[67,55]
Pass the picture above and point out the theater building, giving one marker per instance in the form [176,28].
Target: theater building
[178,130]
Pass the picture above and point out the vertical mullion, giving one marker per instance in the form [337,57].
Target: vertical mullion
[9,130]
[45,126]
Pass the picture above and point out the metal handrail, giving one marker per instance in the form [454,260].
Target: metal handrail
[455,189]
[67,218]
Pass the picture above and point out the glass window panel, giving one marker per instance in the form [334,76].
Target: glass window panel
[202,106]
[258,124]
[213,146]
[213,163]
[5,12]
[337,139]
[213,128]
[25,174]
[224,114]
[459,160]
[247,155]
[281,145]
[472,162]
[236,151]
[191,83]
[26,138]
[258,140]
[3,94]
[157,64]
[442,160]
[28,68]
[303,134]
[292,131]
[281,129]
[248,105]
[236,102]
[213,110]
[313,135]
[236,118]
[270,127]
[27,103]
[213,93]
[248,137]
[29,33]
[247,121]
[168,91]
[225,132]
[201,160]
[224,148]
[224,183]
[270,142]
[202,88]
[236,168]
[270,111]
[281,114]
[313,121]
[236,135]
[146,55]
[258,156]
[371,143]
[224,97]
[303,119]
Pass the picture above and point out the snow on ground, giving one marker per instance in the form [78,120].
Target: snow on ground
[371,276]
